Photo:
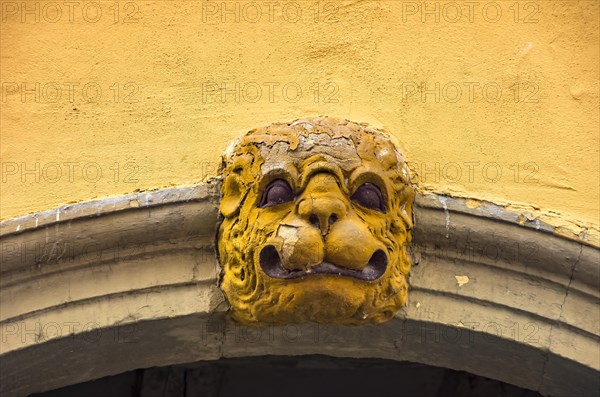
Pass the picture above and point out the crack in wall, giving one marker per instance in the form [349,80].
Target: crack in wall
[548,350]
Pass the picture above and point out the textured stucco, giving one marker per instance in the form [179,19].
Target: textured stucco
[366,58]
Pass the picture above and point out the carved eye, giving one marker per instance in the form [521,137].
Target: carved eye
[278,192]
[368,195]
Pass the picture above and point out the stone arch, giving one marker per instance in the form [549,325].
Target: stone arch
[100,288]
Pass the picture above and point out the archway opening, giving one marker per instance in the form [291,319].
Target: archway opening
[312,375]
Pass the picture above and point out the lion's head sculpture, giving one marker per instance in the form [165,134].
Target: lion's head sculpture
[317,218]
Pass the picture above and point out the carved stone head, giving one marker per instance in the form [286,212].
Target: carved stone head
[317,221]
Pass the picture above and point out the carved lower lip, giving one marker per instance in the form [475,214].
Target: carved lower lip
[270,262]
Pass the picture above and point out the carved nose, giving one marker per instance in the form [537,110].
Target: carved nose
[322,212]
[315,220]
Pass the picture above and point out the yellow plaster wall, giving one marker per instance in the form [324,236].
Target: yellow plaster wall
[160,122]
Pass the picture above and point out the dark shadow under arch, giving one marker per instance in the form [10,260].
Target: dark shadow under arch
[301,376]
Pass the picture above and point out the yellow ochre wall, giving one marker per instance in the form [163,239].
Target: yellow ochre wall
[495,100]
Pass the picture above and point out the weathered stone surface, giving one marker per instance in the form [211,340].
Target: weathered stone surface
[317,219]
[489,296]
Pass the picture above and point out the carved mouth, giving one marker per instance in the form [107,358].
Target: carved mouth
[270,261]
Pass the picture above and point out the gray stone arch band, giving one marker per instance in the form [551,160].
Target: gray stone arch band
[103,287]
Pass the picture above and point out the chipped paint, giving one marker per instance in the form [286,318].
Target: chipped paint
[461,280]
[446,213]
[525,215]
[471,203]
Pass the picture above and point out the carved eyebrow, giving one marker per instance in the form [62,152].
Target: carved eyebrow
[287,172]
[361,175]
[323,166]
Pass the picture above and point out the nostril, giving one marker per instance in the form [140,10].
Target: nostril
[332,219]
[314,220]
